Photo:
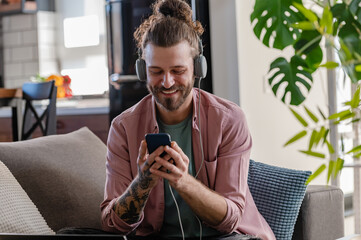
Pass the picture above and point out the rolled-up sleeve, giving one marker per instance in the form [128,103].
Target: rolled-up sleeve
[232,168]
[112,223]
[118,178]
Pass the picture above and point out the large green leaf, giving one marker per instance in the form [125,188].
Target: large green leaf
[308,46]
[355,9]
[290,73]
[272,20]
[349,36]
[309,14]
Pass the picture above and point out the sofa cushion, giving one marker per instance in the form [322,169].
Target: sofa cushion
[64,175]
[18,214]
[322,209]
[278,194]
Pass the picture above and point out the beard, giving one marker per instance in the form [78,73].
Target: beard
[170,103]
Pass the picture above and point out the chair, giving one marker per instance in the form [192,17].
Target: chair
[46,121]
[13,98]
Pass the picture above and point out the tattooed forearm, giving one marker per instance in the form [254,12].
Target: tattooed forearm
[130,216]
[130,205]
[145,180]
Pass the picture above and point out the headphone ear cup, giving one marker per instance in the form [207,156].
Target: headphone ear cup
[200,67]
[140,68]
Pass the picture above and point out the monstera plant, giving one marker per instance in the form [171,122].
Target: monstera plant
[309,28]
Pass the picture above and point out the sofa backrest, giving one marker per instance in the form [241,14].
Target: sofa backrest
[64,175]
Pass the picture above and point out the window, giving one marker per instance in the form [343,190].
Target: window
[81,49]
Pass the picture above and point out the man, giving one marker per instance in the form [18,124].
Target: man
[150,195]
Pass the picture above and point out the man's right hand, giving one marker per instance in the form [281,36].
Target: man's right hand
[146,162]
[131,203]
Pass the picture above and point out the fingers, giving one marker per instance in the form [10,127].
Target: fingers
[151,158]
[147,159]
[177,154]
[142,152]
[175,161]
[179,150]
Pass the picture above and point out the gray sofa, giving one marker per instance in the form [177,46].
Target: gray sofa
[64,176]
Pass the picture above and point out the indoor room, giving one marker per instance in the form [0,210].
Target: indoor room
[279,83]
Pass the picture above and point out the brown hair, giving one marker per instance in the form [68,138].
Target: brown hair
[170,23]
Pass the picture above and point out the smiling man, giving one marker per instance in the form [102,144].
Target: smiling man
[195,189]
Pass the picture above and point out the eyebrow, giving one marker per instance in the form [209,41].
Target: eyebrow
[177,66]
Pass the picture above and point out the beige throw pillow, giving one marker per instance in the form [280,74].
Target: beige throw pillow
[18,214]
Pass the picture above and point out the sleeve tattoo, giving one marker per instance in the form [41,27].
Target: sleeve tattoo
[131,203]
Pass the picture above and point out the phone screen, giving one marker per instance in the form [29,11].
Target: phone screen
[155,140]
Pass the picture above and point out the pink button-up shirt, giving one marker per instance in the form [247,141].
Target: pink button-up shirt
[226,145]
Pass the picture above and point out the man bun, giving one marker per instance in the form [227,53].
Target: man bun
[178,9]
[174,8]
[171,18]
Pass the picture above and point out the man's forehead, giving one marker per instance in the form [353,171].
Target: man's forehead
[182,48]
[178,55]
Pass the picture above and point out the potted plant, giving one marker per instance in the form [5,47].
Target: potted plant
[309,28]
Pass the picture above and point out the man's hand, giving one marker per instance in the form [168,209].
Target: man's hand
[199,197]
[146,162]
[130,204]
[176,170]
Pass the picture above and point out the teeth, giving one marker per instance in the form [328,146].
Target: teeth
[169,92]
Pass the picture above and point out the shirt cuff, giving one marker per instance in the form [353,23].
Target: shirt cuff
[113,221]
[230,221]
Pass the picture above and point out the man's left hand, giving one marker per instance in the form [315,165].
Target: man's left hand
[175,171]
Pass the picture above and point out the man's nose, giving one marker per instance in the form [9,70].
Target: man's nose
[168,80]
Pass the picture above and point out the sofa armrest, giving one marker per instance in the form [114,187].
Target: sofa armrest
[321,215]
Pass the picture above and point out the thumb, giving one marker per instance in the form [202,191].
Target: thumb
[142,152]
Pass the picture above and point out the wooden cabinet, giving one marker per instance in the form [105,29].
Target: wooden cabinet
[5,130]
[97,123]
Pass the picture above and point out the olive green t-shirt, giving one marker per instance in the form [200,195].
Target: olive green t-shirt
[181,133]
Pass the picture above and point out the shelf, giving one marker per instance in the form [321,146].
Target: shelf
[9,7]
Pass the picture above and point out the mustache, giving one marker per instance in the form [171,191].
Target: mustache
[159,89]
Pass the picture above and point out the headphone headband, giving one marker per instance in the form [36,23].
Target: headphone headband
[200,45]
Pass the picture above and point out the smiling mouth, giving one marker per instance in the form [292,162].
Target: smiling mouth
[169,91]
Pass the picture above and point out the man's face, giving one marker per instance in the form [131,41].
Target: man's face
[170,74]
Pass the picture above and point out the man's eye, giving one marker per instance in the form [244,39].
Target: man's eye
[178,72]
[155,72]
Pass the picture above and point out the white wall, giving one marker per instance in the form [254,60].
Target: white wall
[224,49]
[28,46]
[242,61]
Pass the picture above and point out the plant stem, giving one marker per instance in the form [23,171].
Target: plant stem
[299,52]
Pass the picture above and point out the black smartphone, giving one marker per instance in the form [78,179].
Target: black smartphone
[155,140]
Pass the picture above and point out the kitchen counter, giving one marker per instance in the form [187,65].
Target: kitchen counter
[72,114]
[73,106]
